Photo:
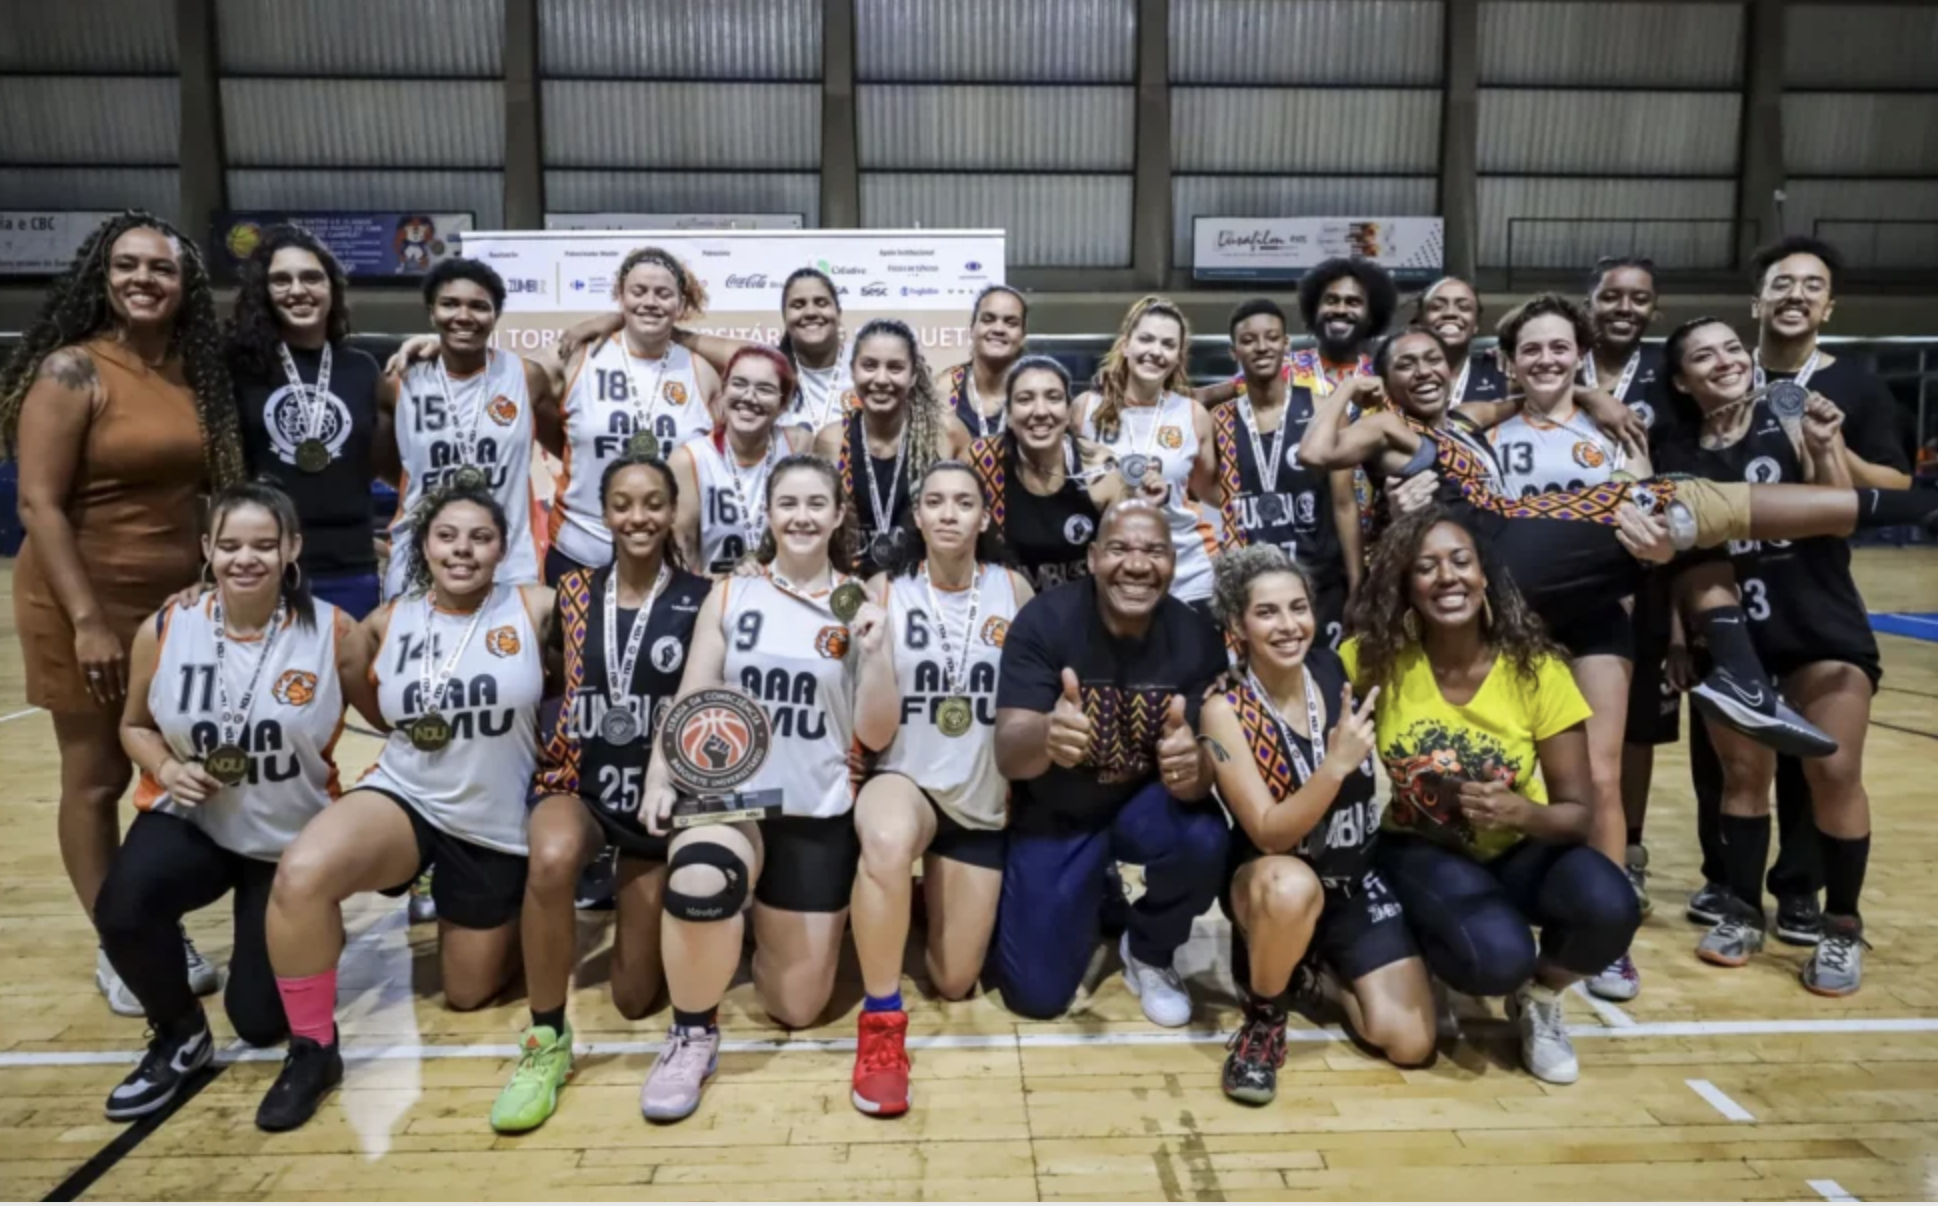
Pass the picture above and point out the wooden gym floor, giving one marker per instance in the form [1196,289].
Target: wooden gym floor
[1711,1085]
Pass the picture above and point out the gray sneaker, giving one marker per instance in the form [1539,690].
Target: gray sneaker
[1731,941]
[1836,967]
[1546,1050]
[1638,874]
[672,1088]
[121,998]
[421,907]
[203,978]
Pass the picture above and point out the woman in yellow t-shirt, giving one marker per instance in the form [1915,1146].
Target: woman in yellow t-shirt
[1475,702]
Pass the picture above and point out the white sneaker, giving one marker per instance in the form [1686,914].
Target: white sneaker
[120,998]
[1546,1050]
[1160,989]
[203,978]
[1619,981]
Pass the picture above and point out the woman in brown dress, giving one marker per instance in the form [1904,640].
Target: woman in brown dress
[118,410]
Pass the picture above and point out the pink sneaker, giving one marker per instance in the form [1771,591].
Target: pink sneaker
[672,1089]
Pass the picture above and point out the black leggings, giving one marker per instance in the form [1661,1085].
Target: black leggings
[166,869]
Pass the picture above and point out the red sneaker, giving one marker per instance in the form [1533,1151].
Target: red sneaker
[881,1064]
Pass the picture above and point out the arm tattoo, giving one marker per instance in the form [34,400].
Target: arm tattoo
[71,369]
[1217,751]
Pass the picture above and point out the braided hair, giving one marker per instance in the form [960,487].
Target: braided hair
[417,580]
[253,330]
[1113,375]
[77,310]
[927,418]
[693,294]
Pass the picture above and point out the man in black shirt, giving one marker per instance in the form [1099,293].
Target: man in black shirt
[1796,290]
[310,408]
[1097,707]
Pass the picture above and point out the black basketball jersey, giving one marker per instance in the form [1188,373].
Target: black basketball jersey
[854,446]
[1798,594]
[1048,536]
[1297,513]
[577,759]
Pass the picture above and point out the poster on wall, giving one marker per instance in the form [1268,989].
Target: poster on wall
[43,242]
[927,278]
[615,221]
[369,244]
[1284,249]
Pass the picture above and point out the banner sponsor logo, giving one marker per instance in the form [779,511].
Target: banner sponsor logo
[1284,249]
[367,243]
[44,242]
[623,221]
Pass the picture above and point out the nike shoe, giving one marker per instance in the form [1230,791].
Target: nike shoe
[310,1071]
[203,978]
[597,881]
[1706,904]
[170,1061]
[1800,920]
[1758,712]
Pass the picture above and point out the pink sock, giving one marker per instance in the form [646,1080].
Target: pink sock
[309,1002]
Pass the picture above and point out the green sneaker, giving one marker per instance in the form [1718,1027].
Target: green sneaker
[544,1065]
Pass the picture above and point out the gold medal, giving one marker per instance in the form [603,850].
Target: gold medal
[228,763]
[312,456]
[642,443]
[955,716]
[846,601]
[429,732]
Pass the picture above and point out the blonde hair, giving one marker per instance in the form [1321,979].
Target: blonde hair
[1113,375]
[693,294]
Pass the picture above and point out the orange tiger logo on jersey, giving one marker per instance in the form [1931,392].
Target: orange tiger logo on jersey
[1170,437]
[832,641]
[295,688]
[675,393]
[1589,456]
[995,631]
[503,641]
[502,410]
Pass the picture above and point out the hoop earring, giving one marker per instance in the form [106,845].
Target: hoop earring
[1410,625]
[296,569]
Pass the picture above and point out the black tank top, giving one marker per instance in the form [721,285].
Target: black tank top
[575,758]
[335,504]
[853,446]
[1048,535]
[1298,516]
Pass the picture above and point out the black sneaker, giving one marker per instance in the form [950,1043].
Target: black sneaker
[1257,1054]
[170,1061]
[310,1071]
[1707,903]
[597,882]
[1758,712]
[1800,922]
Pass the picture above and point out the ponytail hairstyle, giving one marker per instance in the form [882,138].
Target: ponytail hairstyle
[927,417]
[1036,362]
[417,580]
[693,294]
[778,361]
[975,309]
[1113,376]
[845,539]
[912,550]
[263,492]
[1231,588]
[670,550]
[786,345]
[1684,417]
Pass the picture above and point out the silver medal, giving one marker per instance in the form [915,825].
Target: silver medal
[1134,467]
[619,726]
[1786,399]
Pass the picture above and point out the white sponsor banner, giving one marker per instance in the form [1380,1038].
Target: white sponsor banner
[42,242]
[1283,249]
[927,278]
[673,221]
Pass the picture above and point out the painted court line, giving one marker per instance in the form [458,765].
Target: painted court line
[1831,1191]
[1721,1100]
[18,715]
[1610,1013]
[237,1053]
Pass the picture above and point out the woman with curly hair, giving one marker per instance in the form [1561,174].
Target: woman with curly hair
[1142,411]
[315,411]
[459,672]
[118,410]
[885,445]
[1474,699]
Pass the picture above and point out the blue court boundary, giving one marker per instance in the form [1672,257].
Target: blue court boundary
[1918,625]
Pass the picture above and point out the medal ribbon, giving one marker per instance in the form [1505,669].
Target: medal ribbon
[619,673]
[953,684]
[1315,721]
[467,433]
[433,703]
[642,419]
[231,721]
[749,523]
[1760,379]
[883,514]
[309,399]
[1629,370]
[1268,471]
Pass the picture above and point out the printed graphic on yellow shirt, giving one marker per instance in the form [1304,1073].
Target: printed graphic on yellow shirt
[1428,764]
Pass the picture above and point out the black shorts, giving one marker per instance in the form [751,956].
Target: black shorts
[1362,930]
[1329,614]
[1654,707]
[1601,630]
[474,886]
[625,833]
[808,863]
[985,848]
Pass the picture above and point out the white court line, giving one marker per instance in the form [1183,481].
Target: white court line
[237,1053]
[1610,1013]
[1721,1100]
[1831,1191]
[18,715]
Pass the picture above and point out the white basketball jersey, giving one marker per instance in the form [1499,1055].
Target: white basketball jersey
[290,735]
[730,522]
[1539,457]
[600,417]
[1166,431]
[958,773]
[432,432]
[797,659]
[821,396]
[475,787]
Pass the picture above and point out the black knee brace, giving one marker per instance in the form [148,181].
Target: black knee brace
[722,904]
